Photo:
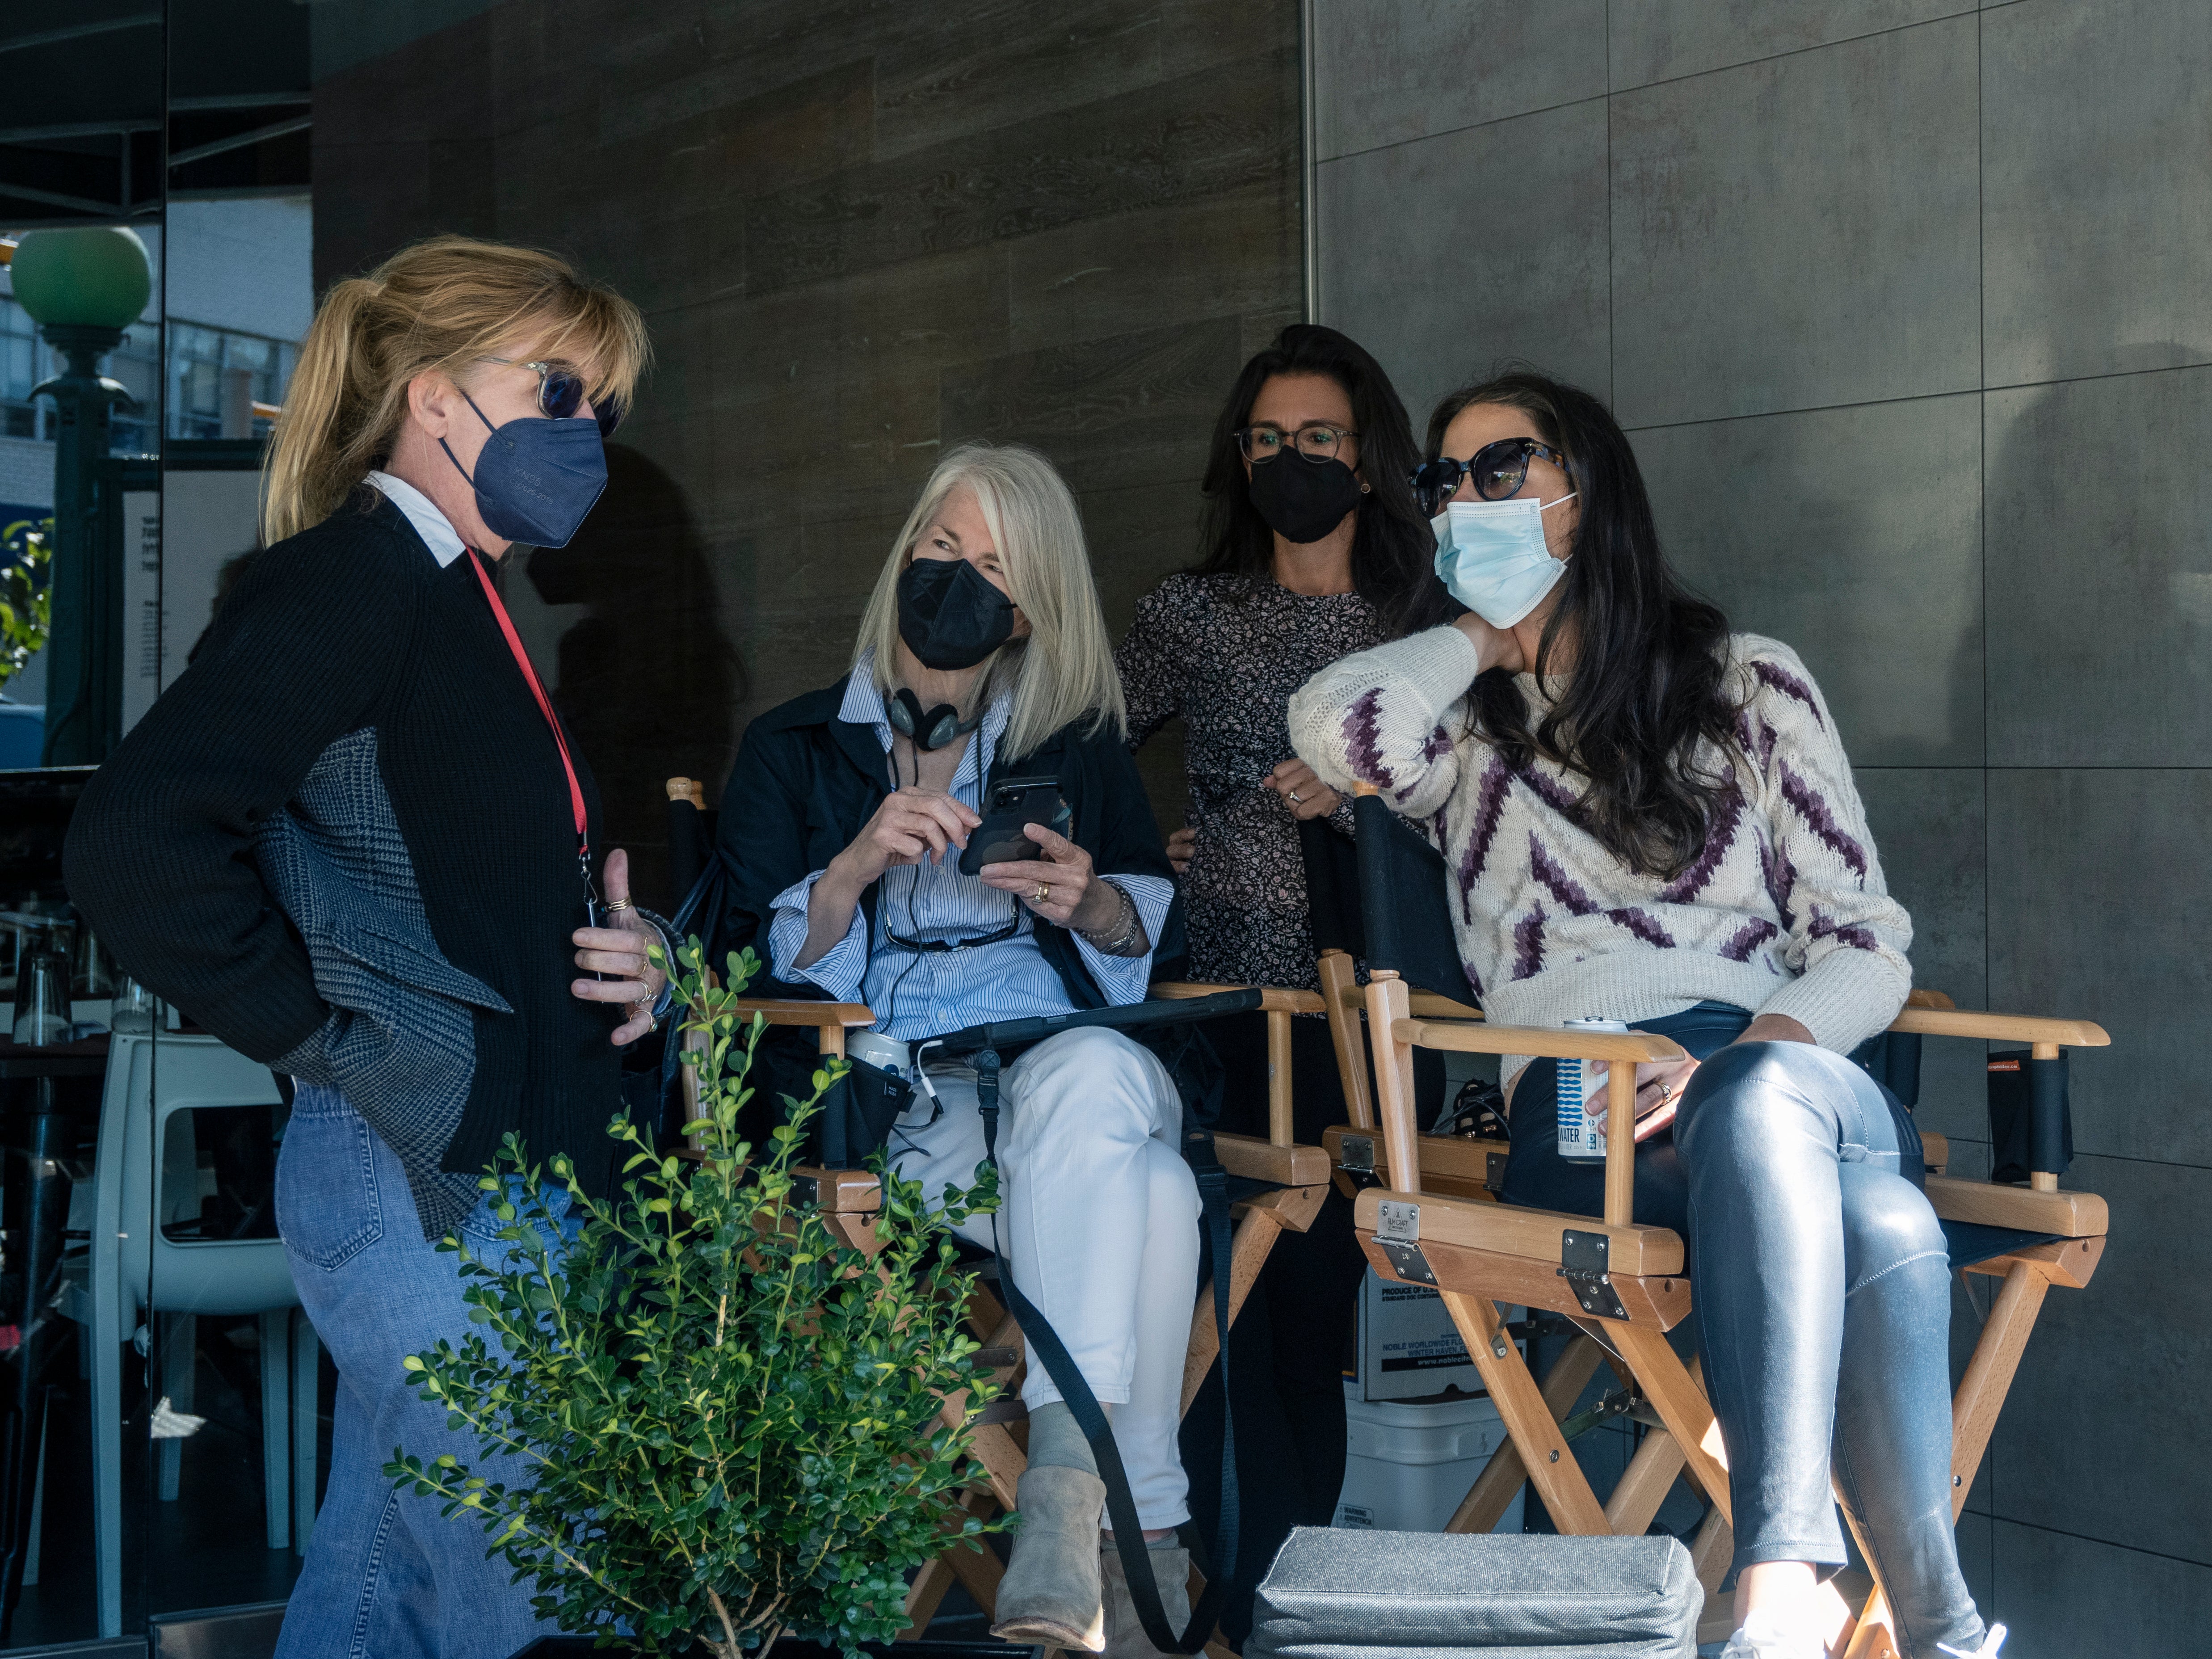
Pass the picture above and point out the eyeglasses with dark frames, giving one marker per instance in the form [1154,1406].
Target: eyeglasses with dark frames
[1499,470]
[561,393]
[1315,441]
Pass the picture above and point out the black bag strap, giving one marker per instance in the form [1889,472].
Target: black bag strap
[1045,1345]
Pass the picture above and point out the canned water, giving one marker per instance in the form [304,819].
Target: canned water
[1580,1084]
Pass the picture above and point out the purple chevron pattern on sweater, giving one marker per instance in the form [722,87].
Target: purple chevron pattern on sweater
[1550,924]
[1779,873]
[1720,836]
[1528,945]
[1824,926]
[1561,885]
[1644,925]
[1363,745]
[1821,822]
[1781,679]
[1757,738]
[1748,938]
[1573,895]
[1489,809]
[1554,794]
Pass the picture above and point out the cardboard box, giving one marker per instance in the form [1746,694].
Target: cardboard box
[1407,1345]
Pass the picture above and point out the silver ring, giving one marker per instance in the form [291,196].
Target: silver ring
[1294,797]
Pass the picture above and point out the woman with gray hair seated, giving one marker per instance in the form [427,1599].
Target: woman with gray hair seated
[983,656]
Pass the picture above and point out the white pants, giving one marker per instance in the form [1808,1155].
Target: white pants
[1098,1222]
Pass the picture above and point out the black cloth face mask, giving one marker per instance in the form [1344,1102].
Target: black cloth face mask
[1301,499]
[949,614]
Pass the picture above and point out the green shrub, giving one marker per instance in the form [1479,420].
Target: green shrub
[736,1424]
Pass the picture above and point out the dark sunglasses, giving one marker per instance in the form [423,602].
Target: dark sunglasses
[1499,470]
[561,394]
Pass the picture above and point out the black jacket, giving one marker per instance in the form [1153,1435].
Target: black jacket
[806,783]
[342,842]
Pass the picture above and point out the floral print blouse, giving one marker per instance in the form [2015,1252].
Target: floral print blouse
[1225,652]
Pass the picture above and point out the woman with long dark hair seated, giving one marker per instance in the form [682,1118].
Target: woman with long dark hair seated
[1651,819]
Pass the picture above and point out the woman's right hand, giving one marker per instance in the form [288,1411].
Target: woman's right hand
[1180,846]
[909,826]
[1494,648]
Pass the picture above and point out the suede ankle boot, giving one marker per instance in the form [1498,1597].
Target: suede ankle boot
[1125,1632]
[1051,1590]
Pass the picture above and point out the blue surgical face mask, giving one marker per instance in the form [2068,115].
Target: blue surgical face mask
[1491,557]
[535,478]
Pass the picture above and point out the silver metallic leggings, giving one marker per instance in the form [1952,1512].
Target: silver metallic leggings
[1822,1303]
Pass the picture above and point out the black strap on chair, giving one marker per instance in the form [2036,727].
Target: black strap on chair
[691,844]
[982,1044]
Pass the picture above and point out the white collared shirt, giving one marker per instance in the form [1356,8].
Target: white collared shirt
[916,994]
[436,531]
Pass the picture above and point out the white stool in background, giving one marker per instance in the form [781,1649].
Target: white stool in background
[136,1271]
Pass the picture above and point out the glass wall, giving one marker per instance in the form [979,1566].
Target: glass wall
[163,1407]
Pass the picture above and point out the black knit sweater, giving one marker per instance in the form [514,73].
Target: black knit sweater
[353,624]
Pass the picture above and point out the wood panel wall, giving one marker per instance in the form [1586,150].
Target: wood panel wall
[862,231]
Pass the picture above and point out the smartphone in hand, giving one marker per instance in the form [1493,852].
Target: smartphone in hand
[1015,803]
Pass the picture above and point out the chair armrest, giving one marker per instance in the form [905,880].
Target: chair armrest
[843,1192]
[1422,1004]
[2067,1215]
[1921,997]
[1274,999]
[1935,1150]
[1256,1159]
[2005,1028]
[803,1010]
[1542,1040]
[1504,1230]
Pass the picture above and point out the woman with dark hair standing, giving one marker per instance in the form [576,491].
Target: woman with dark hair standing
[1312,547]
[1652,820]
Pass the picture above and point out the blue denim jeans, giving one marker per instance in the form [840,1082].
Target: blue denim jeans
[386,1576]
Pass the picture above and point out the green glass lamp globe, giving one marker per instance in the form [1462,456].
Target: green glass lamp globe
[97,277]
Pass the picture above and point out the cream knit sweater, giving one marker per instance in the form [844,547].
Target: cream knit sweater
[1784,913]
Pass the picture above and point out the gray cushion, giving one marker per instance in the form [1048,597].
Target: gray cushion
[1352,1593]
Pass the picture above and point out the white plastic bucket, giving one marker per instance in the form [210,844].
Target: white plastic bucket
[1408,1466]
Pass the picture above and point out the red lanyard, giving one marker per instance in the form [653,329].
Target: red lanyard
[545,707]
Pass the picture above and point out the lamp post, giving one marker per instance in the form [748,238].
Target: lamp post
[84,288]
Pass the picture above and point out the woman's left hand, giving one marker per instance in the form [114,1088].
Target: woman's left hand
[618,950]
[1659,1085]
[1061,887]
[1305,794]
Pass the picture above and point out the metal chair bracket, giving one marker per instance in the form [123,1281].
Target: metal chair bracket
[1398,1232]
[1584,1264]
[1621,1402]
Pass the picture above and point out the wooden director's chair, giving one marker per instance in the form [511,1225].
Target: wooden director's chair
[1623,1286]
[1278,1189]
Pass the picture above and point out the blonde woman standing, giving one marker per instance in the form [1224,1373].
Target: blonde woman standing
[353,842]
[983,656]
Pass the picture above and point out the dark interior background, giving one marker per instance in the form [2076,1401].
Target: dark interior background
[862,231]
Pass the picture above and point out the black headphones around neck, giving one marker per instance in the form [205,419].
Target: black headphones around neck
[929,728]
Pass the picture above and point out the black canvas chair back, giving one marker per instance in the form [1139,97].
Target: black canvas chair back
[1384,899]
[691,836]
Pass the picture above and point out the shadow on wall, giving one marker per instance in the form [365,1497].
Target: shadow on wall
[649,684]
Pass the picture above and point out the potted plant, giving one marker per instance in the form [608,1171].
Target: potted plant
[737,1424]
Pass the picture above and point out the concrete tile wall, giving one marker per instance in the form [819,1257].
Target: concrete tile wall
[861,232]
[1903,302]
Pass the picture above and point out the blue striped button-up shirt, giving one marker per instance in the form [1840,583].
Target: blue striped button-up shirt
[924,993]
